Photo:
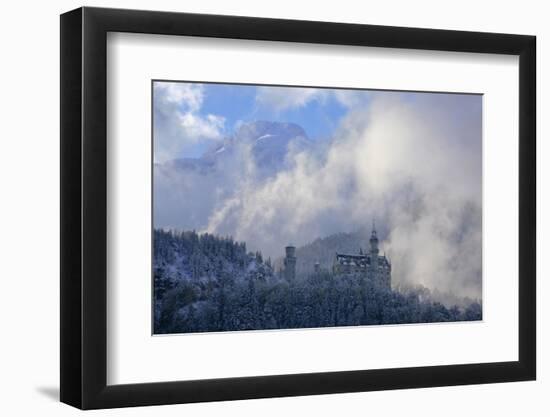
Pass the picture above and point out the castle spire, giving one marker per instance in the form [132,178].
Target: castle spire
[374,239]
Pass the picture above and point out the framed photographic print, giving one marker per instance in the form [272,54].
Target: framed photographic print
[256,207]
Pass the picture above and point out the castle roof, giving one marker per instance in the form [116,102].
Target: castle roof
[345,258]
[345,255]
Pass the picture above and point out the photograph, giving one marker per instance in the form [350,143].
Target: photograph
[267,205]
[300,207]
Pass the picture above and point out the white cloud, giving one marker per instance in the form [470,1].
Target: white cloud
[412,161]
[283,98]
[351,98]
[280,99]
[187,95]
[197,127]
[178,123]
[414,166]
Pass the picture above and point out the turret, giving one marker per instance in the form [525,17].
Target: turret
[373,241]
[374,254]
[290,263]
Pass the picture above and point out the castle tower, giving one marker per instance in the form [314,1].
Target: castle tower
[374,253]
[373,241]
[290,263]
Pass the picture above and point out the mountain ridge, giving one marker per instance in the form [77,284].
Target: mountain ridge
[270,144]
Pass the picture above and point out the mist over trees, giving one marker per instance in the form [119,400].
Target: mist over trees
[322,250]
[205,283]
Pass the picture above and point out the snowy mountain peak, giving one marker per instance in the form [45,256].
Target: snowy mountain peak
[262,129]
[271,145]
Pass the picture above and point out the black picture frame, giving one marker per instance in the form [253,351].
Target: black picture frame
[84,207]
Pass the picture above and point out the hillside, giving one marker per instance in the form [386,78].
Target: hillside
[207,283]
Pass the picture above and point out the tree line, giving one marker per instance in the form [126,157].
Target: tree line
[205,283]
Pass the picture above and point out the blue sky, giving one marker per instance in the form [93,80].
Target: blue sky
[220,108]
[189,118]
[238,103]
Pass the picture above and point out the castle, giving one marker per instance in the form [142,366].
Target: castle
[376,267]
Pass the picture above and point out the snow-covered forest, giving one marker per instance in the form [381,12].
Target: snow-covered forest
[205,283]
